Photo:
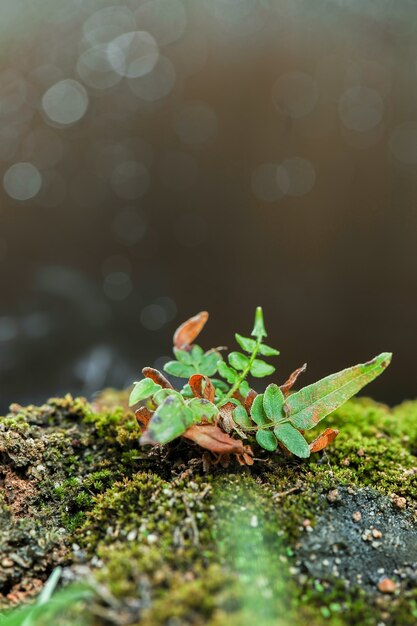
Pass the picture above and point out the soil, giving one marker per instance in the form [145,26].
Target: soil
[331,540]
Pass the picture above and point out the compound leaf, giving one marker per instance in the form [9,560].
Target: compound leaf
[312,403]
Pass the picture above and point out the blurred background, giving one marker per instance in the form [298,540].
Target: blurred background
[160,157]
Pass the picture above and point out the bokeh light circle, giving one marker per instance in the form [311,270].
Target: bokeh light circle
[133,54]
[66,102]
[361,108]
[22,181]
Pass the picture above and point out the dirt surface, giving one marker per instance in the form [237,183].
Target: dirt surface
[362,538]
[331,540]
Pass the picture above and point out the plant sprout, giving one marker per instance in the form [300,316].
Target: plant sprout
[218,410]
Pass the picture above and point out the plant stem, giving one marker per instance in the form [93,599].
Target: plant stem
[244,373]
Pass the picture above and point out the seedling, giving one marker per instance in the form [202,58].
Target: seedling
[218,410]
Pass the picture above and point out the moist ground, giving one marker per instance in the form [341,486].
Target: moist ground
[161,542]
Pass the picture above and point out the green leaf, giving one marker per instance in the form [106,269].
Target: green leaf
[175,368]
[227,372]
[267,440]
[241,417]
[258,412]
[259,326]
[267,350]
[220,385]
[247,344]
[259,369]
[162,394]
[186,391]
[244,388]
[197,353]
[170,420]
[143,389]
[202,408]
[292,440]
[208,363]
[273,402]
[238,360]
[314,402]
[183,356]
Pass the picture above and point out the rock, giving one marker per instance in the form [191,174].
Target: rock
[333,495]
[387,585]
[399,501]
[357,516]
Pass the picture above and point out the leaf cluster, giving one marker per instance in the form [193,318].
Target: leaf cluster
[218,409]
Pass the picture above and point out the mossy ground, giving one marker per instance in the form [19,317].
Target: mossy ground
[161,542]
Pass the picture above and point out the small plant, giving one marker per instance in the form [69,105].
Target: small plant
[218,410]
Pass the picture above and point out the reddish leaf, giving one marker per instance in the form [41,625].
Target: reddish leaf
[211,437]
[143,415]
[323,440]
[157,377]
[189,330]
[226,416]
[292,379]
[196,384]
[249,400]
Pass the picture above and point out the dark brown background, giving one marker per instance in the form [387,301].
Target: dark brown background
[93,283]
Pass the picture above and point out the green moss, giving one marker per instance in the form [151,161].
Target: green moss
[170,543]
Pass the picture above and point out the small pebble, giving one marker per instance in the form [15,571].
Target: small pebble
[7,563]
[152,538]
[333,495]
[346,462]
[376,533]
[306,523]
[386,585]
[357,516]
[361,452]
[399,501]
[254,521]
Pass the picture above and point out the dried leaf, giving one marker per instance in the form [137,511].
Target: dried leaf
[189,330]
[249,399]
[226,416]
[196,384]
[292,379]
[157,377]
[143,415]
[211,437]
[323,440]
